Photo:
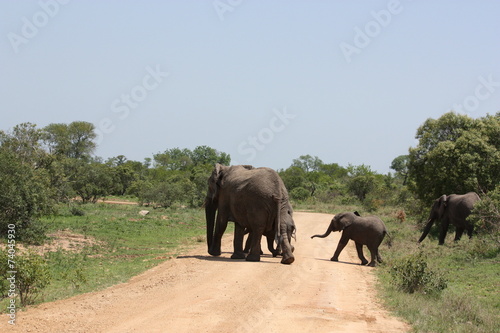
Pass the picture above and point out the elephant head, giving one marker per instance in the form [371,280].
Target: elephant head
[211,200]
[339,222]
[437,213]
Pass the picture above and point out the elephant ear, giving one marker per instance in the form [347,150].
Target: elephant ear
[443,200]
[343,221]
[214,182]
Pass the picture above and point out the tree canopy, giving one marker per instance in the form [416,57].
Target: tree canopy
[455,154]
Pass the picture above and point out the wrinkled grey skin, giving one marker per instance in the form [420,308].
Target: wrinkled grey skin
[454,209]
[255,199]
[368,230]
[270,236]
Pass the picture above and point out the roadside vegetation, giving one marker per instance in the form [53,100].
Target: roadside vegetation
[53,186]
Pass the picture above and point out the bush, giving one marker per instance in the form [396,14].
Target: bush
[411,274]
[75,211]
[32,275]
[486,215]
[299,193]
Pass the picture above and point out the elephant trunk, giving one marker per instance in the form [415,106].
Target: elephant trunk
[283,231]
[328,231]
[427,228]
[286,247]
[210,210]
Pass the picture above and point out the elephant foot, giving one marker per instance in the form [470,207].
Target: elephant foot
[238,255]
[214,253]
[288,260]
[364,262]
[372,264]
[251,257]
[334,259]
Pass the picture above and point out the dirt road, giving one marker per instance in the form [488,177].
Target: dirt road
[199,293]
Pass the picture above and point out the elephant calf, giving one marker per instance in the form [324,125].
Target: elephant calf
[369,231]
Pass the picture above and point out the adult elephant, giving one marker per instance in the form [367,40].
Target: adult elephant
[255,199]
[454,209]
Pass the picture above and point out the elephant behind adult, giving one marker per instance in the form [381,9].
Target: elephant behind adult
[452,209]
[255,199]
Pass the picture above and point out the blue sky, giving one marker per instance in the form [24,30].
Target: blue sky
[265,81]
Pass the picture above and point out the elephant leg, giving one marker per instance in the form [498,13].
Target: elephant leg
[342,243]
[270,246]
[220,228]
[459,233]
[470,230]
[444,230]
[379,258]
[255,249]
[248,243]
[239,233]
[359,248]
[374,256]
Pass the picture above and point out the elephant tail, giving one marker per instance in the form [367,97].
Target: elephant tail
[389,239]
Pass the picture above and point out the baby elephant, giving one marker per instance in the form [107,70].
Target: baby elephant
[369,231]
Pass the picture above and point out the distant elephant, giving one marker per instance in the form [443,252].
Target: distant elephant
[369,231]
[454,209]
[255,199]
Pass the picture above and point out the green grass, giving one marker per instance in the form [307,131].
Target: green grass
[127,244]
[471,301]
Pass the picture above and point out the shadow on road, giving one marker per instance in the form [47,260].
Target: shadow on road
[225,259]
[341,262]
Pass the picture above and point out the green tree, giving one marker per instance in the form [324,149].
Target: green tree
[24,198]
[91,181]
[362,180]
[24,179]
[174,159]
[203,155]
[75,140]
[308,163]
[293,177]
[455,154]
[25,142]
[400,165]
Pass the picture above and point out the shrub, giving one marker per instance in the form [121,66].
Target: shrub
[411,274]
[31,275]
[299,193]
[75,211]
[486,215]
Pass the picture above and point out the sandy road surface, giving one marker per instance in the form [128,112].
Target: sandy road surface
[199,293]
